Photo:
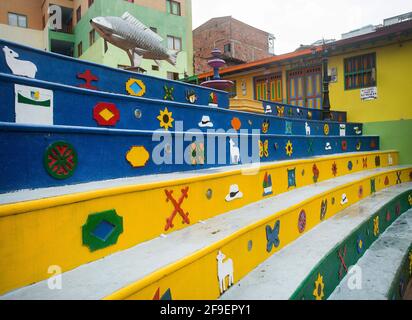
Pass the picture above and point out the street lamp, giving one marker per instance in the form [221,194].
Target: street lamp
[326,80]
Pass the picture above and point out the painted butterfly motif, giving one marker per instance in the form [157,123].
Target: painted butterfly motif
[264,149]
[281,111]
[272,236]
[169,93]
[265,126]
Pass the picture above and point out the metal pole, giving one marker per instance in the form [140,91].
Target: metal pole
[325,91]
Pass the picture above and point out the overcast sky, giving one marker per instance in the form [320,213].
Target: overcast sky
[295,22]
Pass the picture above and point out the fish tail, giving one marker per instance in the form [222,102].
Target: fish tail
[172,57]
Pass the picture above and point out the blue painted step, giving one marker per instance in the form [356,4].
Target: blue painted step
[297,112]
[80,107]
[31,153]
[65,70]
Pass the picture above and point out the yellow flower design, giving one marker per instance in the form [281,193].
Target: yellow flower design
[165,118]
[289,148]
[319,293]
[326,129]
[264,149]
[410,199]
[376,226]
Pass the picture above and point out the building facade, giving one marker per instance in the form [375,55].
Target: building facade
[369,79]
[238,42]
[29,22]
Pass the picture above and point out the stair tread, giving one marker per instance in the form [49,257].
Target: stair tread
[101,278]
[280,276]
[387,252]
[50,192]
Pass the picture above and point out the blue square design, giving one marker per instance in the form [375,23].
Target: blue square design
[103,230]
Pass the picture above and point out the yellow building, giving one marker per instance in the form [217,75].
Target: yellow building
[370,80]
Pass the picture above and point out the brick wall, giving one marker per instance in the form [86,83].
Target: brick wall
[247,43]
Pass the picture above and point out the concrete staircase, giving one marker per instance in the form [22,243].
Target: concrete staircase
[87,212]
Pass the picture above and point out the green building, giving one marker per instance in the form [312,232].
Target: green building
[171,19]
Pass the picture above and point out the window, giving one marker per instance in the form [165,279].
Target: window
[78,14]
[131,1]
[233,90]
[173,7]
[172,76]
[153,29]
[17,20]
[80,49]
[227,48]
[155,68]
[90,3]
[92,37]
[360,71]
[174,43]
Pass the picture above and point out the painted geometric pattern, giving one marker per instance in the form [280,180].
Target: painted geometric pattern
[102,230]
[60,160]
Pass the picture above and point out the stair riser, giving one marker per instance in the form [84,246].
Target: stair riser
[74,107]
[302,113]
[64,70]
[331,268]
[102,155]
[196,277]
[51,229]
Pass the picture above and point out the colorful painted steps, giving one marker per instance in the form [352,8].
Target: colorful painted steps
[208,194]
[71,106]
[58,155]
[291,111]
[328,250]
[386,268]
[247,236]
[56,68]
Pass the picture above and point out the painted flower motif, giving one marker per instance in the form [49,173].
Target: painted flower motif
[410,176]
[289,148]
[388,216]
[386,181]
[350,165]
[197,153]
[165,118]
[310,115]
[344,145]
[410,263]
[410,200]
[326,129]
[360,192]
[376,226]
[323,209]
[315,171]
[334,169]
[398,209]
[264,149]
[378,161]
[373,144]
[319,293]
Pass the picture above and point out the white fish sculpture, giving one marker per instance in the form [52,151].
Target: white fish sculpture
[134,37]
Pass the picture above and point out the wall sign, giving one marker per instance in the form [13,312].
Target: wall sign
[33,105]
[369,94]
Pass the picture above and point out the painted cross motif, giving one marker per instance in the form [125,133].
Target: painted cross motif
[398,177]
[365,162]
[177,208]
[343,269]
[89,78]
[272,236]
[169,93]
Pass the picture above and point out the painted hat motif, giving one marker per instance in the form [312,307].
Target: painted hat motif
[268,109]
[206,123]
[328,146]
[234,193]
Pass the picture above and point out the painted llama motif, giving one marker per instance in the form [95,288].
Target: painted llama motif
[224,270]
[19,67]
